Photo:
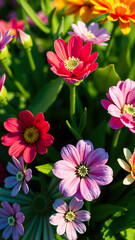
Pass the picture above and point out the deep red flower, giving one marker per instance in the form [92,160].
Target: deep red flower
[73,61]
[27,135]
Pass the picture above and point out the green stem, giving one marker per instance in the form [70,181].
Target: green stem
[72,105]
[15,82]
[33,67]
[10,108]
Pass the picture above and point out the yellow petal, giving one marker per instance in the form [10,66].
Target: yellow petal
[128,180]
[125,27]
[86,13]
[124,165]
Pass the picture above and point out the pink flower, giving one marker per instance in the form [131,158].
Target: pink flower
[82,170]
[41,16]
[2,81]
[91,34]
[129,167]
[20,178]
[69,220]
[15,24]
[5,39]
[27,135]
[121,105]
[72,62]
[3,26]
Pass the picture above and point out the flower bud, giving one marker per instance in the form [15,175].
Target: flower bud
[3,53]
[24,41]
[3,90]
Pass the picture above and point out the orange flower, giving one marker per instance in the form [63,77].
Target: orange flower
[122,10]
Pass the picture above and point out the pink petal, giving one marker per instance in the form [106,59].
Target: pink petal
[63,169]
[70,154]
[102,174]
[10,138]
[61,227]
[29,153]
[14,125]
[74,47]
[114,110]
[79,226]
[92,58]
[41,149]
[85,52]
[69,186]
[82,215]
[116,96]
[127,120]
[20,217]
[17,148]
[43,127]
[64,70]
[78,68]
[56,218]
[105,103]
[46,139]
[61,49]
[27,118]
[28,174]
[131,97]
[78,196]
[70,231]
[60,206]
[25,187]
[116,123]
[75,205]
[53,59]
[96,157]
[89,189]
[2,81]
[84,148]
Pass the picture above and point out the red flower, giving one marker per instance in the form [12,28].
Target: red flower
[27,135]
[72,62]
[13,25]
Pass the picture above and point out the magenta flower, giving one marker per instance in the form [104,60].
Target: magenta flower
[20,178]
[42,17]
[121,105]
[91,34]
[11,219]
[5,39]
[2,81]
[73,62]
[82,170]
[69,220]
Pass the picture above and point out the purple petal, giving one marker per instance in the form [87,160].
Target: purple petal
[7,232]
[93,27]
[105,103]
[17,163]
[82,215]
[131,97]
[69,186]
[28,174]
[20,217]
[89,189]
[98,156]
[70,231]
[84,148]
[75,205]
[102,174]
[3,223]
[12,169]
[63,169]
[25,187]
[2,80]
[3,213]
[116,123]
[56,218]
[16,208]
[10,182]
[21,163]
[79,226]
[60,206]
[20,229]
[78,196]
[15,232]
[70,154]
[61,226]
[7,207]
[16,189]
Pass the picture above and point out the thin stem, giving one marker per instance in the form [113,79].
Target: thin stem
[10,108]
[15,82]
[72,105]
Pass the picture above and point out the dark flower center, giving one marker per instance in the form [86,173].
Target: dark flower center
[31,135]
[19,176]
[82,171]
[42,203]
[11,221]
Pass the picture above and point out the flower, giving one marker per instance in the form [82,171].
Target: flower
[82,170]
[5,39]
[27,135]
[3,26]
[2,3]
[91,34]
[130,167]
[24,41]
[15,24]
[3,90]
[3,173]
[124,11]
[121,105]
[41,16]
[72,62]
[11,219]
[20,178]
[37,208]
[69,220]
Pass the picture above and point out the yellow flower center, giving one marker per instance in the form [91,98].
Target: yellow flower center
[71,63]
[89,35]
[31,135]
[82,171]
[70,216]
[133,169]
[11,221]
[128,108]
[121,9]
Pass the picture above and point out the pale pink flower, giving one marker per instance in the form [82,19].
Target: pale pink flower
[121,105]
[129,167]
[69,220]
[91,33]
[82,170]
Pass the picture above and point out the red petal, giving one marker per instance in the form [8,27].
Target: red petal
[64,70]
[53,59]
[47,140]
[10,138]
[74,46]
[85,52]
[27,118]
[17,148]
[39,117]
[41,148]
[61,49]
[29,153]
[14,125]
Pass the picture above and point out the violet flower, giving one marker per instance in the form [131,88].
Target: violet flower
[69,220]
[91,34]
[82,170]
[5,39]
[11,219]
[20,178]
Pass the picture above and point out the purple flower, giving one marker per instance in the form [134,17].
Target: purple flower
[91,34]
[11,219]
[2,81]
[82,170]
[69,219]
[2,3]
[5,39]
[20,178]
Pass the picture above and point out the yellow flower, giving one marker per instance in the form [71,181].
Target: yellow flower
[122,10]
[129,167]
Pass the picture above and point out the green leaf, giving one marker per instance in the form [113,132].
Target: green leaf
[46,169]
[46,6]
[128,234]
[83,120]
[28,9]
[98,135]
[105,78]
[46,96]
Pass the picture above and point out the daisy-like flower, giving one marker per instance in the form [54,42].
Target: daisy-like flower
[20,178]
[69,220]
[5,39]
[11,219]
[121,105]
[27,135]
[129,167]
[119,10]
[73,62]
[82,170]
[91,34]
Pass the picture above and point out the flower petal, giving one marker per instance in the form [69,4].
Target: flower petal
[16,189]
[70,231]
[74,47]
[116,123]
[114,110]
[56,218]
[127,154]
[7,232]
[29,153]
[27,118]
[7,207]
[61,226]
[3,223]
[63,169]
[61,49]
[75,205]
[12,169]
[20,229]
[20,217]
[10,182]
[53,59]
[96,157]
[60,206]
[84,148]
[16,148]
[79,226]
[14,125]
[116,96]
[82,215]
[89,189]
[128,180]
[124,165]
[10,138]
[69,186]
[28,174]
[101,174]
[70,154]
